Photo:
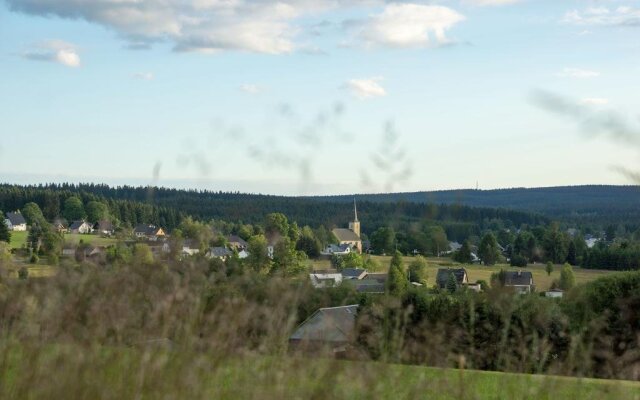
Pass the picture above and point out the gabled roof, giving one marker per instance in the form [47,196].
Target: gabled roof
[346,235]
[220,252]
[354,273]
[334,324]
[235,239]
[76,225]
[518,278]
[368,285]
[146,229]
[443,276]
[16,218]
[104,226]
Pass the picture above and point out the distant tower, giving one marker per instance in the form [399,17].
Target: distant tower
[355,224]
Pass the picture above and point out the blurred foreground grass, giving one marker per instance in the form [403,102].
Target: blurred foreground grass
[157,371]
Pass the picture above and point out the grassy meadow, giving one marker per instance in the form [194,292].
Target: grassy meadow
[111,373]
[480,272]
[18,239]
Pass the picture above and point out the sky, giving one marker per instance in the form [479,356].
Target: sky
[320,97]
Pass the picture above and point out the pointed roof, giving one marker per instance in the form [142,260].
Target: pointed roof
[16,218]
[355,210]
[333,324]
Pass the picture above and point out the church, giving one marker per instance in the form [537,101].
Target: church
[350,236]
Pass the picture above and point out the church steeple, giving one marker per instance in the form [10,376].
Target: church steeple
[355,210]
[355,224]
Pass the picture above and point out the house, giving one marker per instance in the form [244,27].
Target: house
[59,225]
[554,293]
[104,228]
[325,278]
[82,227]
[219,252]
[336,249]
[237,243]
[367,285]
[160,248]
[242,254]
[149,232]
[15,222]
[350,236]
[353,273]
[190,247]
[460,275]
[331,328]
[520,281]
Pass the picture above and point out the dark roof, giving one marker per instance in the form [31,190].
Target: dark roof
[380,277]
[334,324]
[237,239]
[368,285]
[16,218]
[518,278]
[220,252]
[146,229]
[104,226]
[346,235]
[76,225]
[353,272]
[443,276]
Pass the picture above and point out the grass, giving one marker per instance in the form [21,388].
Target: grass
[74,239]
[477,272]
[18,239]
[74,371]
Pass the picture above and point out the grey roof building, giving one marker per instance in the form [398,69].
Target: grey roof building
[353,273]
[16,218]
[443,276]
[332,326]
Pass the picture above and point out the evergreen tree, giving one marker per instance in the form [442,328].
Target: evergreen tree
[397,281]
[463,255]
[572,257]
[452,284]
[418,270]
[488,249]
[5,234]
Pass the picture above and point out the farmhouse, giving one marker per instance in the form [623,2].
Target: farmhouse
[190,247]
[325,278]
[237,243]
[520,281]
[460,275]
[335,249]
[80,227]
[104,228]
[350,236]
[331,328]
[219,252]
[149,232]
[15,221]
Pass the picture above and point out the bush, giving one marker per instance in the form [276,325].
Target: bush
[23,273]
[518,261]
[34,258]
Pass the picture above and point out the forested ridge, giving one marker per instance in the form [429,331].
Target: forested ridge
[167,206]
[597,204]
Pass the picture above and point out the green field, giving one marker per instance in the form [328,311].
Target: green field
[74,239]
[477,272]
[18,239]
[96,372]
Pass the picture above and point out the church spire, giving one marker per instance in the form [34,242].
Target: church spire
[355,210]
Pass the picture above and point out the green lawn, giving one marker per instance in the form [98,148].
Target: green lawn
[74,238]
[81,371]
[480,272]
[18,239]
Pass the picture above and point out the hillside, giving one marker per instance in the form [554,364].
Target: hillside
[589,203]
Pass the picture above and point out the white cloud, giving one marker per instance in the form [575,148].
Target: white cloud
[594,101]
[406,25]
[54,51]
[251,88]
[145,76]
[492,2]
[620,16]
[264,26]
[578,73]
[365,88]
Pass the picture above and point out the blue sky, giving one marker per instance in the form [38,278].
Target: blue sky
[318,97]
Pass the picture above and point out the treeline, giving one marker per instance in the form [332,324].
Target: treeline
[596,205]
[163,206]
[52,198]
